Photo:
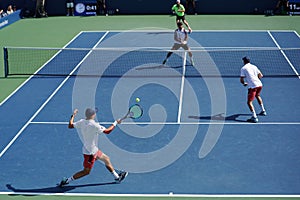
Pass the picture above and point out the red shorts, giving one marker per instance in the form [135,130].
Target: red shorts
[254,92]
[89,160]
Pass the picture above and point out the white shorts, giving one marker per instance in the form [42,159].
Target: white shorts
[70,5]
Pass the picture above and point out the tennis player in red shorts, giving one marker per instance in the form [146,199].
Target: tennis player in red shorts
[250,76]
[88,130]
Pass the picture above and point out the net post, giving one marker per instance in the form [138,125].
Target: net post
[5,62]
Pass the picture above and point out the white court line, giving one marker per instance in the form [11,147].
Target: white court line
[284,55]
[155,195]
[296,34]
[182,123]
[181,89]
[20,86]
[49,98]
[195,48]
[161,195]
[194,31]
[168,47]
[156,48]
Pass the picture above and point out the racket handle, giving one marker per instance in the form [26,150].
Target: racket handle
[123,118]
[115,123]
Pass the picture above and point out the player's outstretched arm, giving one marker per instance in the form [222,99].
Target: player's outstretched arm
[71,121]
[111,128]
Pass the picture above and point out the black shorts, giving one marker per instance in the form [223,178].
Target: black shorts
[178,18]
[177,46]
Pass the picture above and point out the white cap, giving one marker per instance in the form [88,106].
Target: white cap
[178,1]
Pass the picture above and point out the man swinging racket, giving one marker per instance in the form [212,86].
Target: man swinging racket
[89,131]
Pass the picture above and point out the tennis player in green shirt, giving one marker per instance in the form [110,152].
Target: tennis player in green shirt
[180,14]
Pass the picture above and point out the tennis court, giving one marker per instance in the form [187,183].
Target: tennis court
[193,138]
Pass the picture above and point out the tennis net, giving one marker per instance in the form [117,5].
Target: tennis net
[221,62]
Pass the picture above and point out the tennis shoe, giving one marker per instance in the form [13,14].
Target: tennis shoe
[192,62]
[263,113]
[63,182]
[122,176]
[164,62]
[252,120]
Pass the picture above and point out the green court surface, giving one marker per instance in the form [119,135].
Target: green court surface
[57,31]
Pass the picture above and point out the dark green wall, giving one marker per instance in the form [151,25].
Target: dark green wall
[57,7]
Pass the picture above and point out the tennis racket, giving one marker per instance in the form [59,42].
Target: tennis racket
[135,111]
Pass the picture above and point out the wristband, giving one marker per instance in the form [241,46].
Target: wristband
[72,116]
[115,123]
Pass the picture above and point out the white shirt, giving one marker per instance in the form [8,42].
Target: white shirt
[9,12]
[250,72]
[180,35]
[88,131]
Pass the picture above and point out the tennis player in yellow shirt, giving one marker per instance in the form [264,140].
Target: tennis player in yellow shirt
[179,10]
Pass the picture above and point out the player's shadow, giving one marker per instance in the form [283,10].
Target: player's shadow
[157,67]
[221,117]
[55,189]
[160,32]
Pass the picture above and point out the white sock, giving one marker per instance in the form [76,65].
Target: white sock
[116,175]
[262,107]
[254,114]
[70,179]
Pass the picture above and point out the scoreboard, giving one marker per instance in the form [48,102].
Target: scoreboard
[85,7]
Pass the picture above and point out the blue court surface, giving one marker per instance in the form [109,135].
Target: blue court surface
[193,137]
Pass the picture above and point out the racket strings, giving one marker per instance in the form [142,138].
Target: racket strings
[135,111]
